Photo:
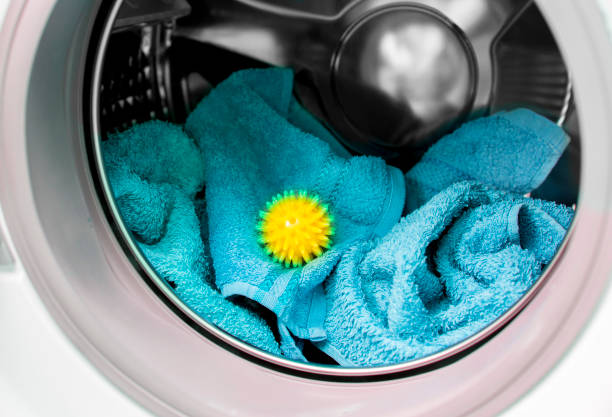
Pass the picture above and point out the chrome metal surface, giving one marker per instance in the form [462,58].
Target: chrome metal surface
[529,70]
[135,85]
[389,72]
[140,12]
[402,73]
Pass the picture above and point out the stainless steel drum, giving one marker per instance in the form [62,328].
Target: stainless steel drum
[398,73]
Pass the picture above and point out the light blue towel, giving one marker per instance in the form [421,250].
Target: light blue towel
[467,251]
[155,171]
[512,151]
[443,273]
[257,142]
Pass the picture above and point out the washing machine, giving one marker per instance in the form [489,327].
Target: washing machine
[89,329]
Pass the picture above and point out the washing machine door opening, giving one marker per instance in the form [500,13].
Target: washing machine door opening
[157,61]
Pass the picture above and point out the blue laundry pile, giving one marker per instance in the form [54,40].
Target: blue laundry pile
[420,261]
[155,171]
[393,300]
[256,143]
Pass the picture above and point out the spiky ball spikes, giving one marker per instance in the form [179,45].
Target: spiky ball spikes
[295,228]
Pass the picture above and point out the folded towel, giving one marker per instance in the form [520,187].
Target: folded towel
[443,273]
[155,171]
[256,142]
[513,151]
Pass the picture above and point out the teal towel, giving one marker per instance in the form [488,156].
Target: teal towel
[466,253]
[512,151]
[256,142]
[155,171]
[442,274]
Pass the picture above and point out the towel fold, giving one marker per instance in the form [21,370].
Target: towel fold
[470,248]
[512,151]
[155,171]
[256,142]
[442,274]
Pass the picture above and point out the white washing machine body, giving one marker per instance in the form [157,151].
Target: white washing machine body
[44,374]
[553,358]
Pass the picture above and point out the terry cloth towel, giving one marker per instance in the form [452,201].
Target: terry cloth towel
[155,171]
[512,151]
[443,273]
[257,142]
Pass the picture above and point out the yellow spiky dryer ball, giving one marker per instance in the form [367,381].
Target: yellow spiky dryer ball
[295,228]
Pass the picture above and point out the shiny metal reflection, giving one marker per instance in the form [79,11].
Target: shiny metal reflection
[402,73]
[388,72]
